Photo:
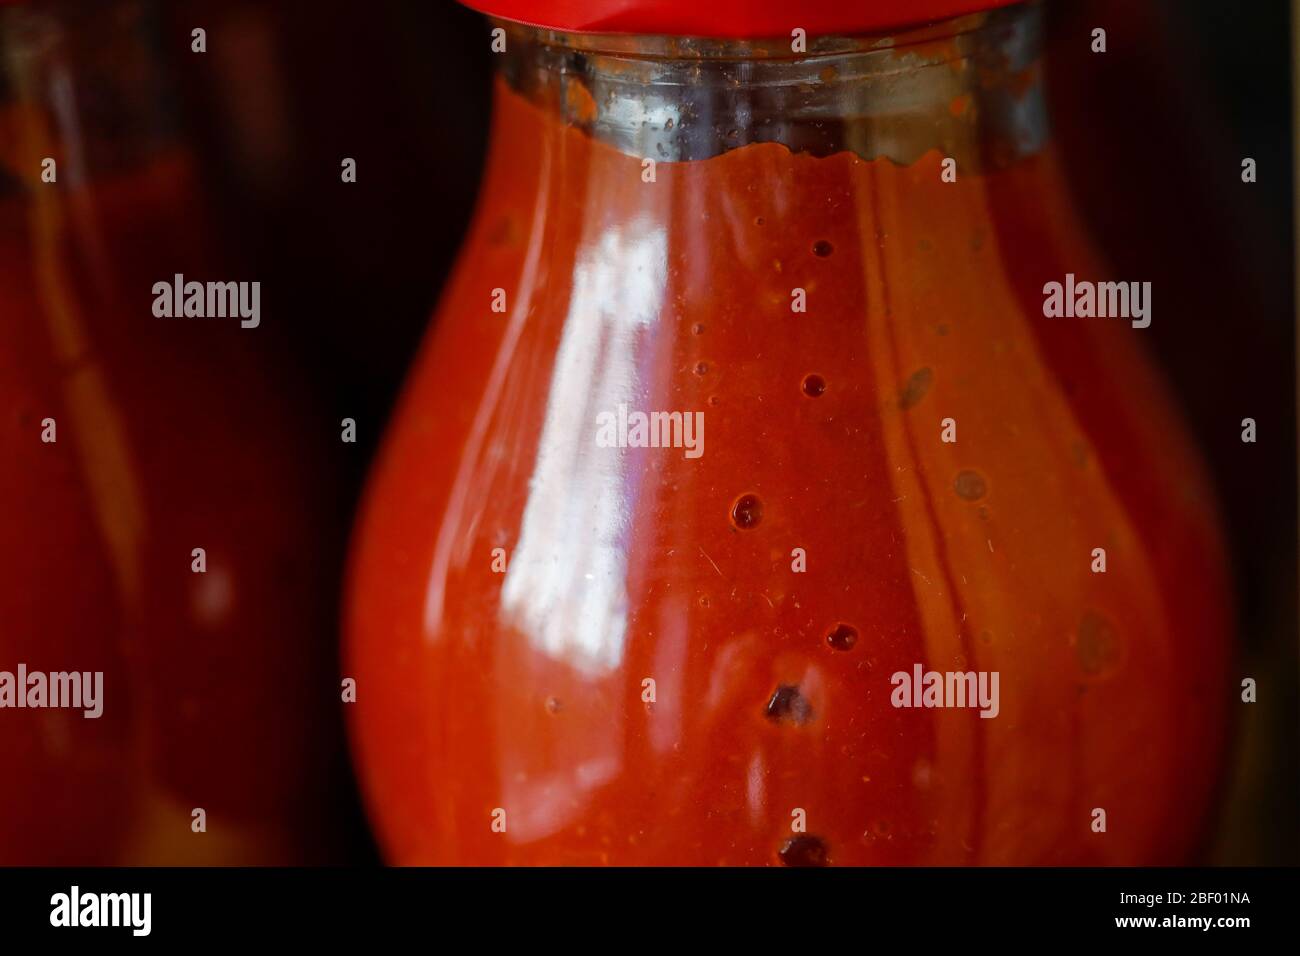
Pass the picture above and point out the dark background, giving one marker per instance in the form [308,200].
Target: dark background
[1153,136]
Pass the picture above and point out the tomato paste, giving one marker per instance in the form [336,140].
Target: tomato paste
[571,650]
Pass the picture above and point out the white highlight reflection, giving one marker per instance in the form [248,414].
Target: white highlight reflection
[565,585]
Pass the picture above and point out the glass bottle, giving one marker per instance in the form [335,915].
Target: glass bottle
[869,456]
[164,497]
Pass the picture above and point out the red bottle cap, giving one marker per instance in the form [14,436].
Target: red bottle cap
[738,19]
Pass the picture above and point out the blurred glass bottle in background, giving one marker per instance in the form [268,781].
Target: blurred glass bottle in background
[169,435]
[1154,145]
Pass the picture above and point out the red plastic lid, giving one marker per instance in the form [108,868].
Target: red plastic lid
[739,19]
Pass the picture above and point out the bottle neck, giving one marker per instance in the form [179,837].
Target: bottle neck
[969,87]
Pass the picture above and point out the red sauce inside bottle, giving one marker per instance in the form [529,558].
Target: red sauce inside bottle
[657,676]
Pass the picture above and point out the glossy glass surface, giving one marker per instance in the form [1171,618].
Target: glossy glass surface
[515,583]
